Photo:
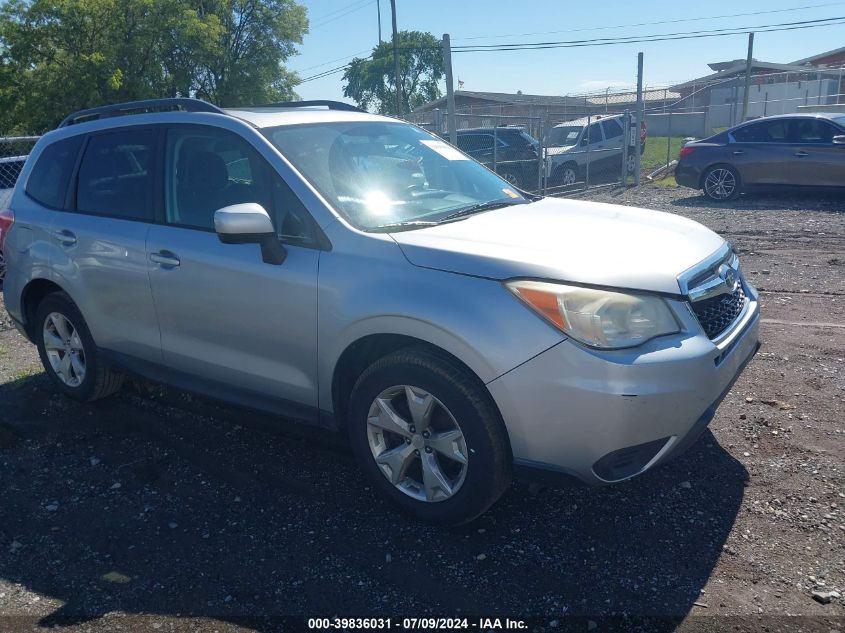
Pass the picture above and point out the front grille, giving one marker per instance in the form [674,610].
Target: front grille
[717,313]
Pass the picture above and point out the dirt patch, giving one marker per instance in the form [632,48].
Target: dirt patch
[155,509]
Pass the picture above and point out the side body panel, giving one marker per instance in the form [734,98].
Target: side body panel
[368,287]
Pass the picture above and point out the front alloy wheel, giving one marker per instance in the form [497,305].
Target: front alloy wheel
[417,443]
[427,434]
[568,176]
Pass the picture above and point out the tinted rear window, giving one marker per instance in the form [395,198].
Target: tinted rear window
[116,175]
[47,184]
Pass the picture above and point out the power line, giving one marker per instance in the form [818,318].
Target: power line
[765,28]
[322,23]
[678,21]
[603,41]
[329,14]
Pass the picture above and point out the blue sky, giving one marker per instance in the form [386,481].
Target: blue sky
[343,28]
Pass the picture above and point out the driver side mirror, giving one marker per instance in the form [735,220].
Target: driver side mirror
[839,139]
[249,223]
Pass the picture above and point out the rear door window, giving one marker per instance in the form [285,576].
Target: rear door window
[47,183]
[593,135]
[612,129]
[116,175]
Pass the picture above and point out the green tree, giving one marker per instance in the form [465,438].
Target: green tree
[370,82]
[57,56]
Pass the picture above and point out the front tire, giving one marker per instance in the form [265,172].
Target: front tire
[721,183]
[68,352]
[428,436]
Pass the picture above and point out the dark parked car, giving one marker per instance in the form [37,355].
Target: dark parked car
[791,150]
[516,153]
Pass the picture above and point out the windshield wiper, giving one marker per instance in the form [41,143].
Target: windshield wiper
[408,224]
[477,208]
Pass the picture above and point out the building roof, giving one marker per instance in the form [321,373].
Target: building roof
[735,67]
[501,98]
[813,58]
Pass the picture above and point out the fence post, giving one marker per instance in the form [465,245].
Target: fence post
[450,90]
[495,146]
[589,152]
[638,141]
[541,160]
[626,141]
[669,142]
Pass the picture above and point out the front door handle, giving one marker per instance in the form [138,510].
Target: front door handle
[739,152]
[165,259]
[801,154]
[65,237]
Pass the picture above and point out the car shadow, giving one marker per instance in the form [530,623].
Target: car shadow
[782,200]
[156,502]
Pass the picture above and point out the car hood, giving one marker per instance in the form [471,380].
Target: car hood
[566,240]
[554,151]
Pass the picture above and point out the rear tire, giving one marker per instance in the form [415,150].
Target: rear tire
[68,352]
[464,439]
[567,175]
[513,178]
[721,183]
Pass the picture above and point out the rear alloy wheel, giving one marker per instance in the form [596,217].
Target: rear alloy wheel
[512,179]
[632,163]
[429,437]
[721,183]
[68,352]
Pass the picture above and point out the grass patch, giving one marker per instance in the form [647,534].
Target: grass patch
[655,151]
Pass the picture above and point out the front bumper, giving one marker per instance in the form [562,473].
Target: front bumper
[606,416]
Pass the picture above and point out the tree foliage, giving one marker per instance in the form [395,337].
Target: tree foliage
[57,56]
[371,83]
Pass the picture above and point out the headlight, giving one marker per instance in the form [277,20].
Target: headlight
[598,318]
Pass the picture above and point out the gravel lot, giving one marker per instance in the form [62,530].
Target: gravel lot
[155,510]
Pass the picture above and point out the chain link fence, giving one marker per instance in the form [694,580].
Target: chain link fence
[13,153]
[589,140]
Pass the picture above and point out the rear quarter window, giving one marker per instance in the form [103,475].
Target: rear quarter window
[47,183]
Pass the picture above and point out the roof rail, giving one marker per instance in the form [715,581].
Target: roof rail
[331,105]
[139,107]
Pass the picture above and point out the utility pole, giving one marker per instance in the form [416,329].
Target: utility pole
[748,62]
[378,8]
[397,76]
[450,90]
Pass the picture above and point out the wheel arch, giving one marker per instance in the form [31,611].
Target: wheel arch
[31,296]
[364,351]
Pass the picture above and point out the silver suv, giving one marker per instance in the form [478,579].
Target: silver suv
[593,144]
[356,272]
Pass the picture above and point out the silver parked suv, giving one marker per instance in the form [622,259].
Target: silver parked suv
[356,272]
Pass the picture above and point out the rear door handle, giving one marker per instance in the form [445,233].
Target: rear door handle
[165,259]
[739,152]
[65,237]
[801,154]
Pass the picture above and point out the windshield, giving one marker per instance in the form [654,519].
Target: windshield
[840,120]
[380,174]
[563,136]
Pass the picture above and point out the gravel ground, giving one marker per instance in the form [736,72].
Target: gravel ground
[155,510]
